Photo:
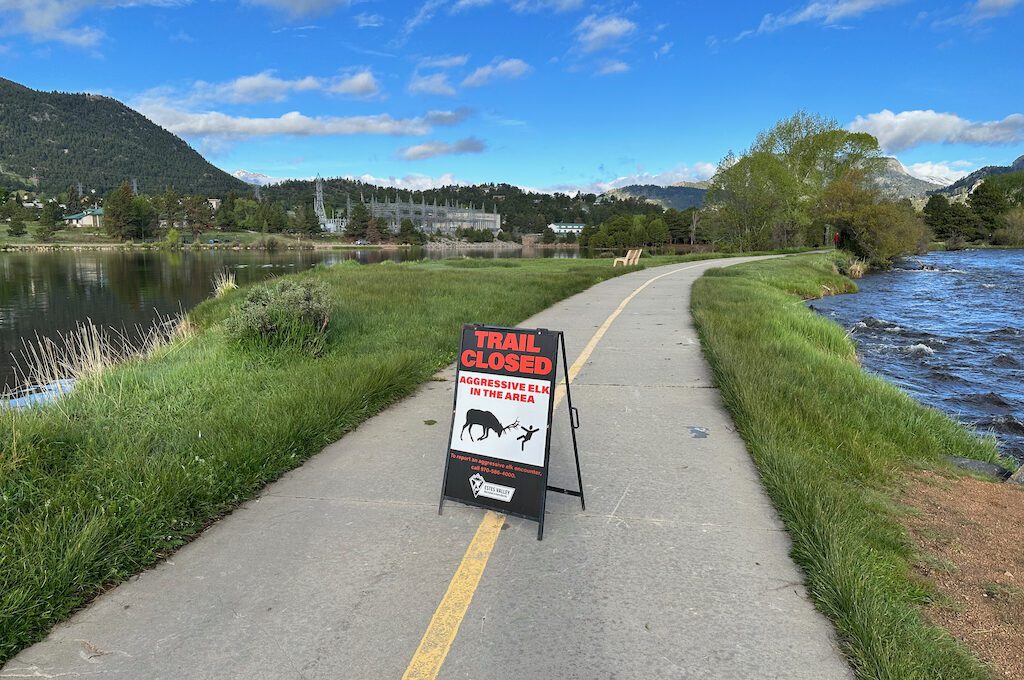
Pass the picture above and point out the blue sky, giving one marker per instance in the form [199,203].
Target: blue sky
[549,94]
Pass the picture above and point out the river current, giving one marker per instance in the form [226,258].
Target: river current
[949,329]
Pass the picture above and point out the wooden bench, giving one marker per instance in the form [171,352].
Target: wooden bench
[632,257]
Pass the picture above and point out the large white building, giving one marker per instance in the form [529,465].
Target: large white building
[562,228]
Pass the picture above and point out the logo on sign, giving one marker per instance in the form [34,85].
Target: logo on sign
[486,489]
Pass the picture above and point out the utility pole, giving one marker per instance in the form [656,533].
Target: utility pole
[135,187]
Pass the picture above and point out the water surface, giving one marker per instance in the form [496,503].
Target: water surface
[46,293]
[947,328]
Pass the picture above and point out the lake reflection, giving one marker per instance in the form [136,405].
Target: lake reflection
[46,293]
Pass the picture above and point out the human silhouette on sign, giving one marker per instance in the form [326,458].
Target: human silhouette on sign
[529,432]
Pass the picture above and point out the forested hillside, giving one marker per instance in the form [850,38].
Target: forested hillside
[522,211]
[63,139]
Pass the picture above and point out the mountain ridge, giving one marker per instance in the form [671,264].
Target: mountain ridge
[55,140]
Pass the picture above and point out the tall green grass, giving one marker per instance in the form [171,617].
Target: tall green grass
[832,445]
[140,457]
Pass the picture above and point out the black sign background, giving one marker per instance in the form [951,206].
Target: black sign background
[529,481]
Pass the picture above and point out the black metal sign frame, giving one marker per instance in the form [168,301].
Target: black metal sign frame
[574,424]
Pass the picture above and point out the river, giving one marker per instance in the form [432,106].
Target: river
[48,293]
[949,329]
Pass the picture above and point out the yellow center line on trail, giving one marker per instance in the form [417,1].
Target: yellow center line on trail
[444,625]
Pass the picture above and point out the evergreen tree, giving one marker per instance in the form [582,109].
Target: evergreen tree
[937,216]
[17,226]
[50,215]
[198,215]
[118,213]
[359,222]
[988,203]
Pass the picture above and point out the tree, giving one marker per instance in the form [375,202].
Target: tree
[42,232]
[359,222]
[936,215]
[17,226]
[770,195]
[225,218]
[657,232]
[988,203]
[875,230]
[198,215]
[374,230]
[168,207]
[145,218]
[408,233]
[50,215]
[304,220]
[118,212]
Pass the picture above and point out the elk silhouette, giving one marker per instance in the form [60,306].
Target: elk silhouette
[487,420]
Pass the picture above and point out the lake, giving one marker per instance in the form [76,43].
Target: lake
[949,329]
[46,293]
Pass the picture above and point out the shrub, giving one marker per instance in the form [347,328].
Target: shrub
[1011,229]
[849,265]
[172,240]
[268,243]
[284,313]
[223,283]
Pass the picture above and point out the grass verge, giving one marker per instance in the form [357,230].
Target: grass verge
[832,443]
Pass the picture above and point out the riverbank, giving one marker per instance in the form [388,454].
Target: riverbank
[141,457]
[834,445]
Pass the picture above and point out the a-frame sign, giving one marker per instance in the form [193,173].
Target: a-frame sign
[500,441]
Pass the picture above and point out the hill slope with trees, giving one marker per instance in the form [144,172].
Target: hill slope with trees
[63,139]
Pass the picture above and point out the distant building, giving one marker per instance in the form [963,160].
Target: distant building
[430,218]
[562,228]
[214,203]
[90,217]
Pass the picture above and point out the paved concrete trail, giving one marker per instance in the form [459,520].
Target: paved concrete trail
[678,568]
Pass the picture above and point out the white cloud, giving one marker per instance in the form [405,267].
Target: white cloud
[433,149]
[612,67]
[683,173]
[51,20]
[506,68]
[828,13]
[260,87]
[983,10]
[412,182]
[597,33]
[265,86]
[663,50]
[300,7]
[423,15]
[541,5]
[361,84]
[221,125]
[448,118]
[469,4]
[907,129]
[943,172]
[364,20]
[434,83]
[444,62]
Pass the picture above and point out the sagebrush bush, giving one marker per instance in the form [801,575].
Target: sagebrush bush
[282,314]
